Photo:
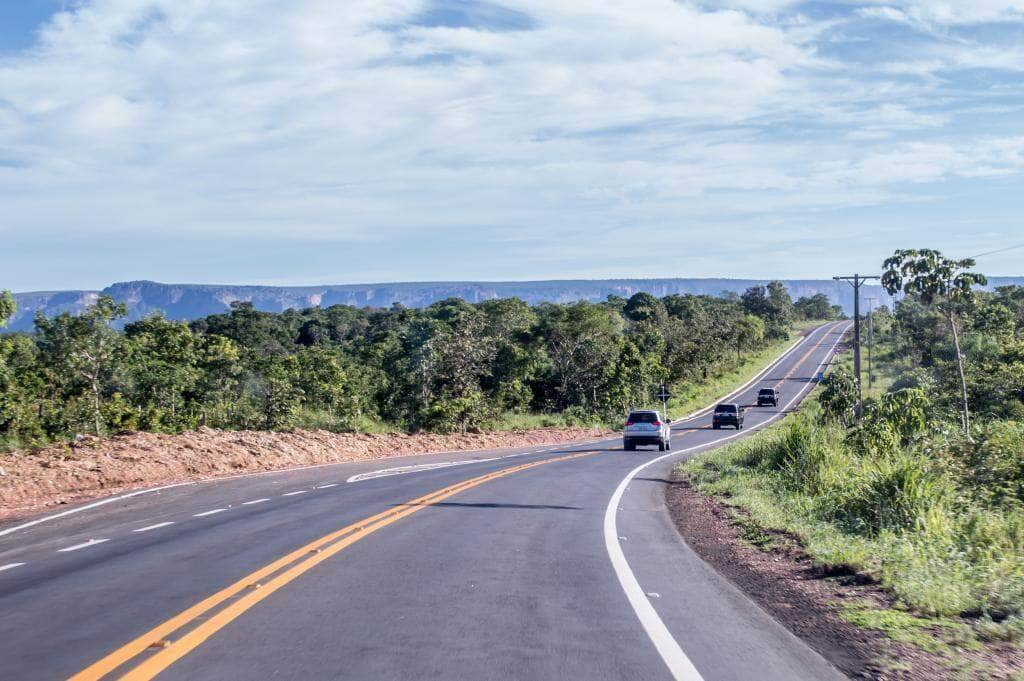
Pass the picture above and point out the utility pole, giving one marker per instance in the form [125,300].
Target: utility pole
[857,281]
[871,337]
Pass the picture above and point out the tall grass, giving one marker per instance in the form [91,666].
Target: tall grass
[915,517]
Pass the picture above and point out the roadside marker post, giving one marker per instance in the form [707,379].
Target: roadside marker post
[663,395]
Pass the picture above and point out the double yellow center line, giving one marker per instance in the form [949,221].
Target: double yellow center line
[251,589]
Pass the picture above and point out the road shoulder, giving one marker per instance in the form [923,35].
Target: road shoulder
[773,570]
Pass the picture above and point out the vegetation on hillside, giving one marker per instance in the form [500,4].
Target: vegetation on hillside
[447,367]
[906,495]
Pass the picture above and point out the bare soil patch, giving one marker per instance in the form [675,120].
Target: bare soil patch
[32,481]
[775,572]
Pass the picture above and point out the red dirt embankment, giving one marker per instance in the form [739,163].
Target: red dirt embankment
[33,481]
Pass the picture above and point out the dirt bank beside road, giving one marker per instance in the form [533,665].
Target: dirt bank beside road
[35,481]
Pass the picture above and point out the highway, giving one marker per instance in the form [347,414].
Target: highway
[540,563]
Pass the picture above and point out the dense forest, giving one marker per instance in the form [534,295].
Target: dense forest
[448,367]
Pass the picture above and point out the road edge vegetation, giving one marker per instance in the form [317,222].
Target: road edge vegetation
[893,546]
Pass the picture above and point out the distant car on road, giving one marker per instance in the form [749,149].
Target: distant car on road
[646,427]
[767,397]
[727,415]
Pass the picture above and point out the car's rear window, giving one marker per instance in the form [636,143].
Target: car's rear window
[726,409]
[767,391]
[643,417]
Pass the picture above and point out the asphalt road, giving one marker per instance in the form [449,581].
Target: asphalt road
[544,563]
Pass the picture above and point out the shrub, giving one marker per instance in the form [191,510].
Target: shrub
[994,463]
[892,492]
[839,396]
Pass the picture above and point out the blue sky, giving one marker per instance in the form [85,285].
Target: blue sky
[311,141]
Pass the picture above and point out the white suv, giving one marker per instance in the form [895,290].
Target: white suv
[646,427]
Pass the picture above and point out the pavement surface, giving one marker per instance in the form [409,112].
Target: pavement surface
[542,563]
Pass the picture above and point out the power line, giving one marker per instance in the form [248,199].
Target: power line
[999,250]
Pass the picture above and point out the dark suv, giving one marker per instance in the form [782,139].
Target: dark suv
[767,397]
[727,415]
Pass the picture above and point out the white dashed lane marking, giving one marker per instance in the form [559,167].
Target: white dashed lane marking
[291,494]
[255,501]
[147,528]
[333,484]
[206,513]
[10,566]
[83,545]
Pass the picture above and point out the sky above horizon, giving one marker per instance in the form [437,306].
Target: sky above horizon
[313,141]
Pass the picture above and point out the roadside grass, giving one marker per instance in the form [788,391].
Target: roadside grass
[931,634]
[915,520]
[531,421]
[689,397]
[313,419]
[904,520]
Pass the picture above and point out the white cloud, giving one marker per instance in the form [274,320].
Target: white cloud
[964,12]
[313,118]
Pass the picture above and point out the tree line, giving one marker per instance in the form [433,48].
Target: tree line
[447,367]
[959,347]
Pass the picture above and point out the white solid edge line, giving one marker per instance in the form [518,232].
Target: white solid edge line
[10,566]
[95,504]
[255,501]
[206,513]
[675,659]
[147,528]
[85,544]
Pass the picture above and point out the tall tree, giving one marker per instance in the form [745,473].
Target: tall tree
[817,306]
[927,275]
[84,346]
[7,307]
[161,363]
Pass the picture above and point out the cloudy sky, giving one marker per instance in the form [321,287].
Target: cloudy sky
[318,141]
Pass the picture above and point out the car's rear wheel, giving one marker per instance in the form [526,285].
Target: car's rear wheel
[630,447]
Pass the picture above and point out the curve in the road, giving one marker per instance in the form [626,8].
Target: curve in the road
[279,573]
[680,666]
[518,535]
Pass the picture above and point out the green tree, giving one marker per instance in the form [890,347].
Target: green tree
[643,307]
[161,358]
[748,334]
[773,304]
[839,396]
[218,360]
[7,307]
[817,306]
[277,392]
[927,275]
[85,347]
[23,390]
[581,342]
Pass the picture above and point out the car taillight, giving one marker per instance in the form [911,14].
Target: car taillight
[655,423]
[629,423]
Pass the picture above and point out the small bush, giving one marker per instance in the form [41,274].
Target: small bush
[994,463]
